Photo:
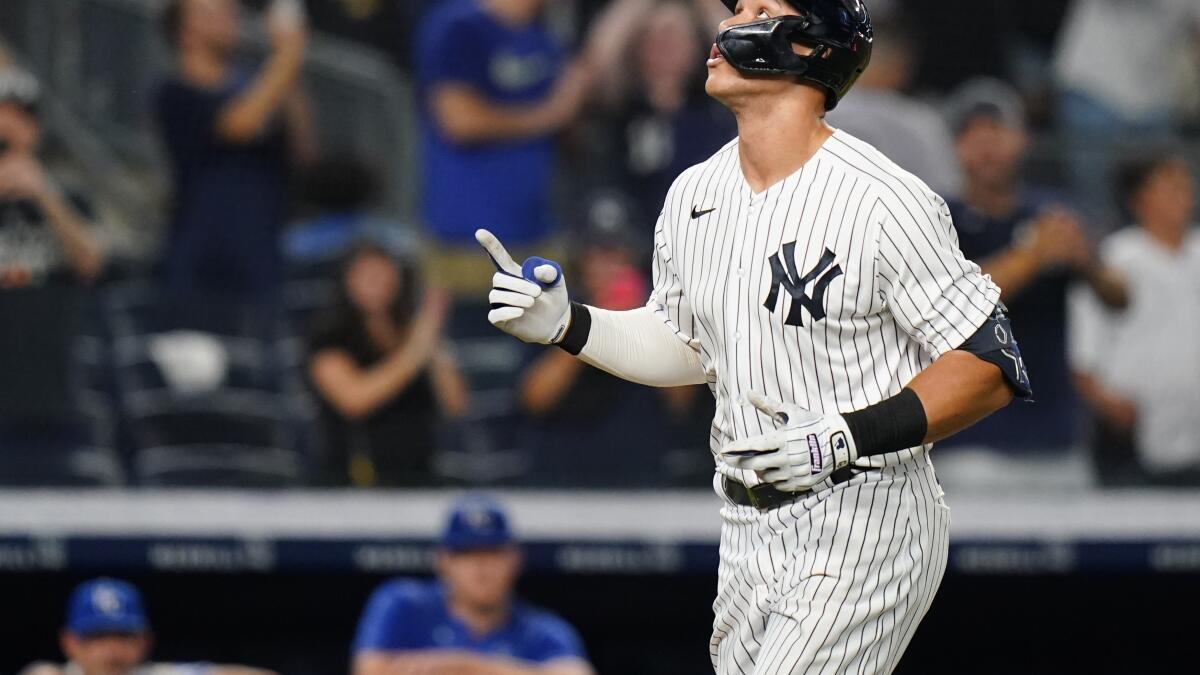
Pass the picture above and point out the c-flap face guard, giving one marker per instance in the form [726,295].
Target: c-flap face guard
[765,47]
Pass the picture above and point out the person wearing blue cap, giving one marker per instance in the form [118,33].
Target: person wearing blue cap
[468,621]
[107,633]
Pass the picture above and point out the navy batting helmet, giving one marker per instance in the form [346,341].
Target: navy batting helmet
[838,31]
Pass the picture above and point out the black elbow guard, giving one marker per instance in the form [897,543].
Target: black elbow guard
[995,342]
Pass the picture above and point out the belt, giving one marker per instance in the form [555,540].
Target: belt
[764,497]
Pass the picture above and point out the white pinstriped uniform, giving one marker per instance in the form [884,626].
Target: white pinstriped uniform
[836,582]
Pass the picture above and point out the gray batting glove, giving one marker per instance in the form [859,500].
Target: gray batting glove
[528,301]
[802,453]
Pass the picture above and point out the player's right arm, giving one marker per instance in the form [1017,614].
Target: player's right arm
[642,345]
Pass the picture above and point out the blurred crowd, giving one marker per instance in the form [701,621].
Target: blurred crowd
[293,331]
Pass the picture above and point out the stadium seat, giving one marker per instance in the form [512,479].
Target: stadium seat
[201,392]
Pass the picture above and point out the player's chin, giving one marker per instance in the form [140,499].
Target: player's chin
[728,86]
[723,81]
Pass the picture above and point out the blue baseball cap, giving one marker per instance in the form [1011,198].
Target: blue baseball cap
[476,522]
[105,605]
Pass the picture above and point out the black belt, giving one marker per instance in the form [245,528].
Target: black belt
[764,497]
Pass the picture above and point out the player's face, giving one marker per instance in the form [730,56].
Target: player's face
[990,152]
[482,578]
[372,282]
[112,654]
[729,86]
[1169,195]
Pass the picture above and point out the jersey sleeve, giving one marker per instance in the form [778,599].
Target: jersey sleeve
[556,639]
[667,298]
[385,624]
[937,296]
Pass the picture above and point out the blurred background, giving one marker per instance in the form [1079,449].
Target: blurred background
[245,364]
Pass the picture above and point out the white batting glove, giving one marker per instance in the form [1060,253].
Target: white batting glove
[528,301]
[797,456]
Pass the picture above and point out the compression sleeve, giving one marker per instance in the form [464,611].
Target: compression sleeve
[636,345]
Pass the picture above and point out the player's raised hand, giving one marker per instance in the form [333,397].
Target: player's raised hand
[802,452]
[529,301]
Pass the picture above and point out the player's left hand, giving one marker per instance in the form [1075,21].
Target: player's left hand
[529,301]
[801,453]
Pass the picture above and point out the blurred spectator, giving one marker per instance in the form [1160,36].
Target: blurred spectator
[1113,63]
[494,89]
[45,230]
[232,137]
[1033,246]
[655,119]
[107,634]
[468,621]
[48,246]
[383,373]
[578,416]
[1139,369]
[580,419]
[910,132]
[339,193]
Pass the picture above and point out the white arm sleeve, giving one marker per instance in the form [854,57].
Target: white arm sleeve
[638,346]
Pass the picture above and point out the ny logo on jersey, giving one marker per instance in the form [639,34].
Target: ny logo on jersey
[783,273]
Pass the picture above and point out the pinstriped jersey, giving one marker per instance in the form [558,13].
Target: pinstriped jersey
[831,289]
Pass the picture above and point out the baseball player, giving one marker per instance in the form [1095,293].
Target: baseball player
[107,633]
[468,621]
[818,289]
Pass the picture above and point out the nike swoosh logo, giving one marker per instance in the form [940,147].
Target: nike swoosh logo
[697,214]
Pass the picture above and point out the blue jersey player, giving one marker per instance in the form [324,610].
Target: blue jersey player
[468,621]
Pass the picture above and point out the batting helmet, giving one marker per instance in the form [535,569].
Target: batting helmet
[838,31]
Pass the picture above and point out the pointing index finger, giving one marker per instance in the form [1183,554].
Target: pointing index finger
[499,255]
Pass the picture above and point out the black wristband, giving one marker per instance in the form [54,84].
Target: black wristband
[890,425]
[577,332]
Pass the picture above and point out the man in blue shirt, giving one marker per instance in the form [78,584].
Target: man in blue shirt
[467,622]
[493,92]
[1034,246]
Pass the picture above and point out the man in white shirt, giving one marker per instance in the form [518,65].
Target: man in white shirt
[1139,369]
